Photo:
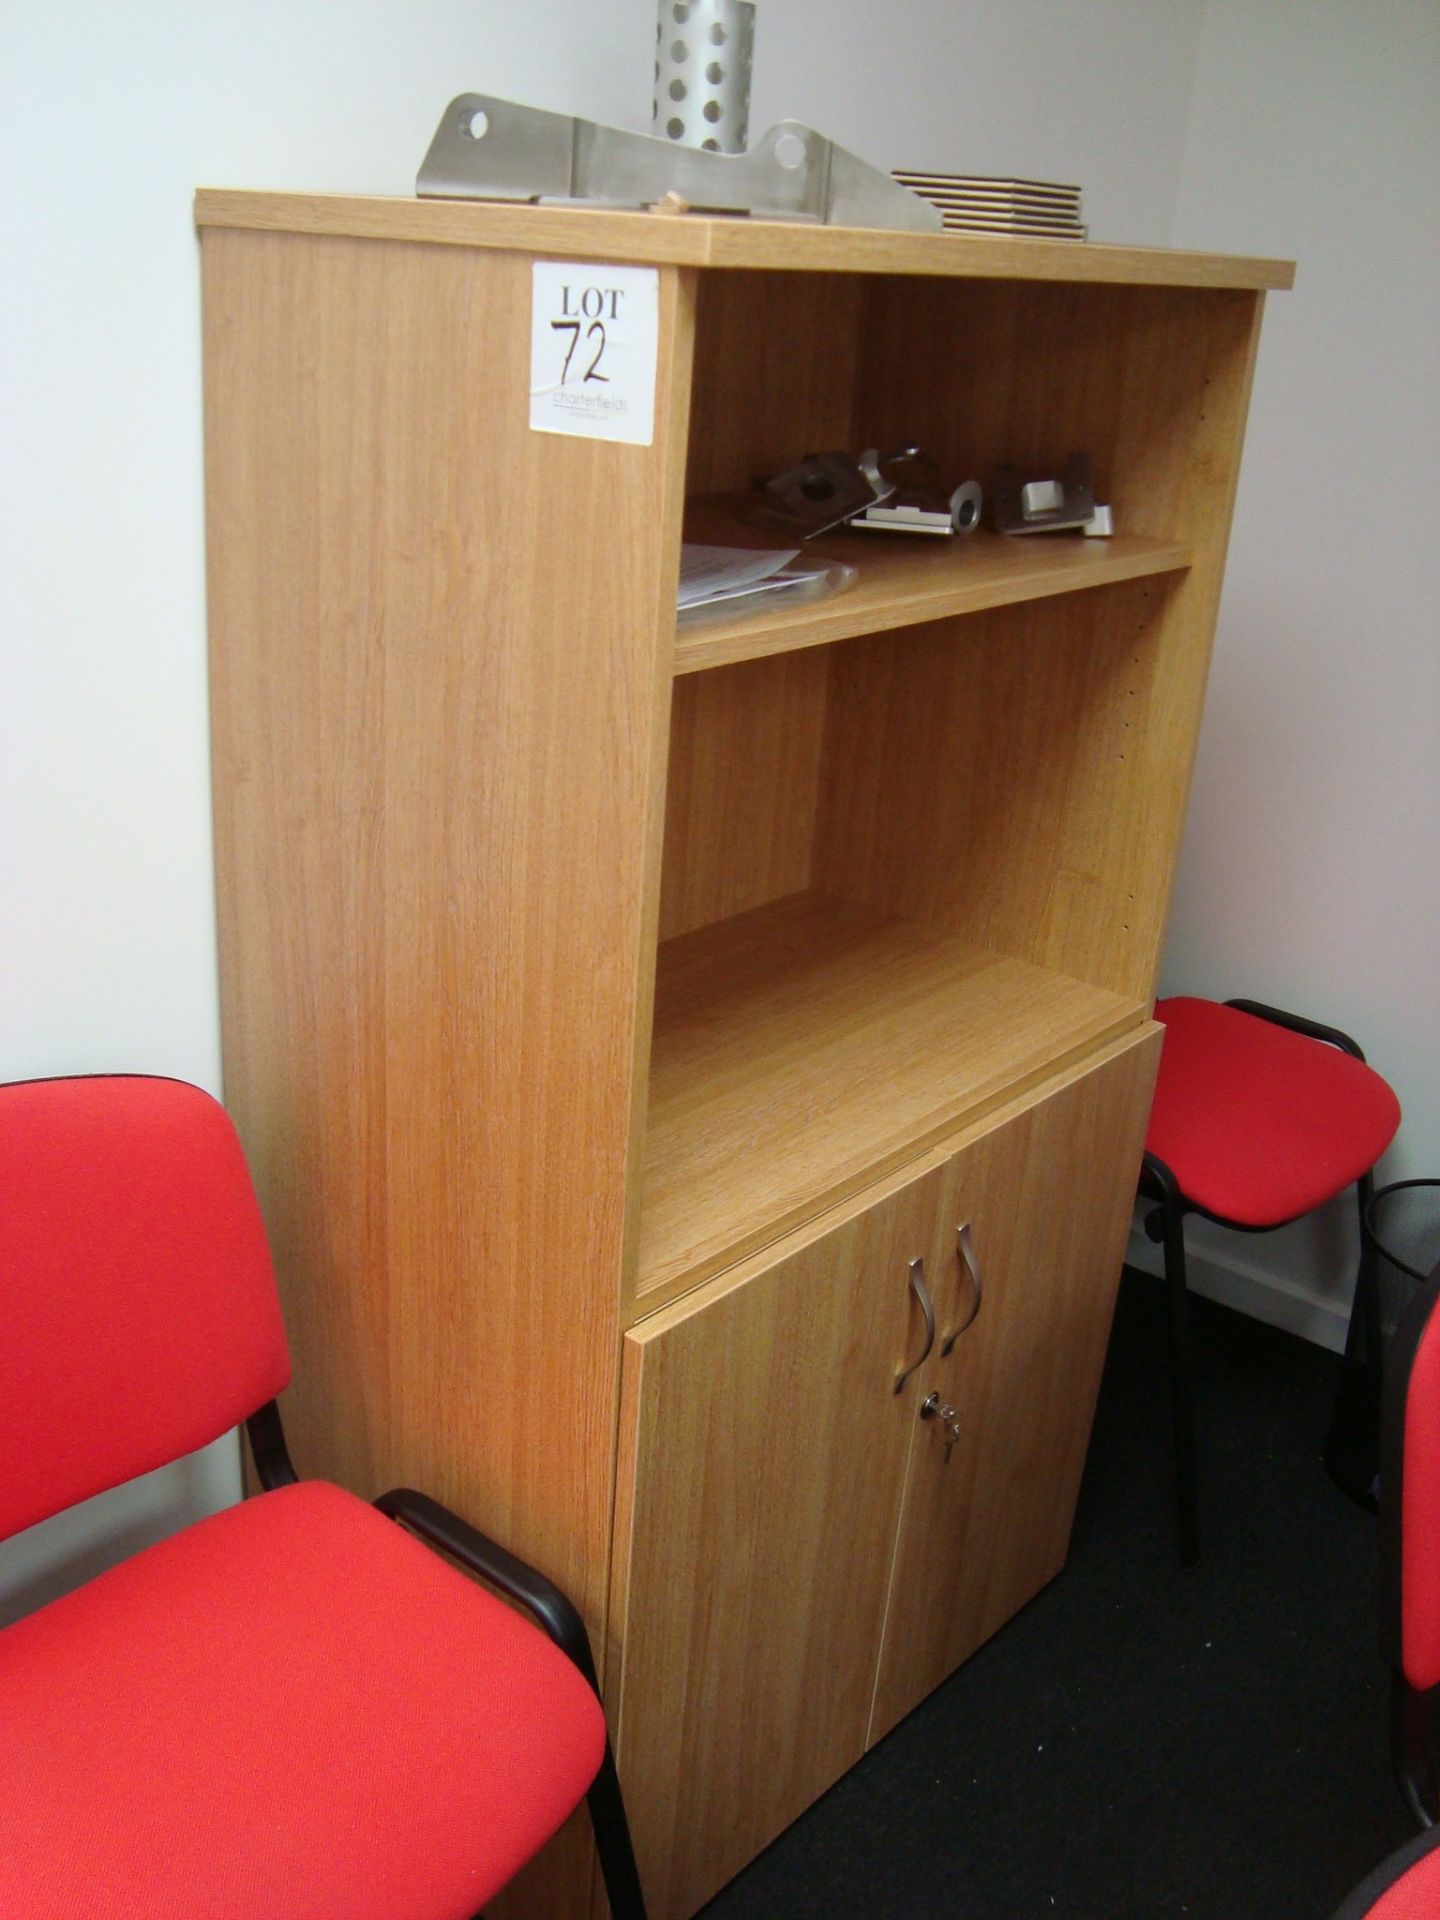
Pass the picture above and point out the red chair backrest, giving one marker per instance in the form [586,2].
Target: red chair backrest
[1410,1490]
[138,1312]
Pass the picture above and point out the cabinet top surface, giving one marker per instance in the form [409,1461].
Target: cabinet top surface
[693,240]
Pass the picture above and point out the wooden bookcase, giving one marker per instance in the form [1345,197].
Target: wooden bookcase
[614,1019]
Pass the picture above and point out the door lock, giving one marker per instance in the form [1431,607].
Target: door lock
[934,1408]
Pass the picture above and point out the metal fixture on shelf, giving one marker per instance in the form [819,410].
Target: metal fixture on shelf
[490,149]
[823,491]
[1044,503]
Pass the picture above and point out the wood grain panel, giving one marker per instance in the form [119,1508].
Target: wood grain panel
[907,581]
[1048,1198]
[764,1468]
[776,360]
[994,778]
[1025,374]
[804,1050]
[743,789]
[914,880]
[694,240]
[437,824]
[1047,753]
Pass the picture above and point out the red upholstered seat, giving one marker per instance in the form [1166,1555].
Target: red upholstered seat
[139,1318]
[1259,1117]
[426,1740]
[1406,1887]
[1418,1478]
[1260,1125]
[294,1710]
[1410,1544]
[1415,1895]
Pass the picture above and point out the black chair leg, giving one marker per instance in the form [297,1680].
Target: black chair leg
[1352,1446]
[1410,1749]
[613,1844]
[1187,1487]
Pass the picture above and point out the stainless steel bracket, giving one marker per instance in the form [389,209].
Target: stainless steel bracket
[489,149]
[1043,504]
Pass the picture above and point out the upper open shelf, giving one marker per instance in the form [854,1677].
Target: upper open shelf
[905,579]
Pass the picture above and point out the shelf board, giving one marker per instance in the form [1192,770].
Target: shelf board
[905,579]
[707,240]
[809,1047]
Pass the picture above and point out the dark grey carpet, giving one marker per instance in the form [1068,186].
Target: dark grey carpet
[1142,1743]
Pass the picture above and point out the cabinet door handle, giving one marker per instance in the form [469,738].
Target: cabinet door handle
[922,1294]
[965,1246]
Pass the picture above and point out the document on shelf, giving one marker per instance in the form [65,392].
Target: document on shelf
[708,574]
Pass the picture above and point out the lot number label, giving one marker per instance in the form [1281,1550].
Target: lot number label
[594,340]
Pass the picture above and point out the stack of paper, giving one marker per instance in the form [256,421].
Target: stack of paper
[726,582]
[1037,209]
[711,574]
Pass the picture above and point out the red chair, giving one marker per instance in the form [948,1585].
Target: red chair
[1406,1887]
[1259,1118]
[1410,1542]
[293,1710]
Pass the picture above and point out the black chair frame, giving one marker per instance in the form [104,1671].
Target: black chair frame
[552,1611]
[1360,1377]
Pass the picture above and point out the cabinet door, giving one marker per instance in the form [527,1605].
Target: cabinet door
[762,1458]
[1046,1201]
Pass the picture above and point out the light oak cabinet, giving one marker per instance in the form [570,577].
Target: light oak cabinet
[606,1007]
[807,1554]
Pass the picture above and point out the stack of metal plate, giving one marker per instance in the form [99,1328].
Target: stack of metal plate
[968,203]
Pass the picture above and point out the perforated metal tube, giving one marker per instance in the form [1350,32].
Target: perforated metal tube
[703,54]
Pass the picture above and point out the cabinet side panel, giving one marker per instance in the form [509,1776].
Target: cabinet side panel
[438,685]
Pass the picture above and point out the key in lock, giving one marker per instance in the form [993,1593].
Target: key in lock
[934,1408]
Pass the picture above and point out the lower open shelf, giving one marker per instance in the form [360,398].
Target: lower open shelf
[805,1049]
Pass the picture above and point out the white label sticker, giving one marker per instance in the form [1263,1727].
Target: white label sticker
[594,343]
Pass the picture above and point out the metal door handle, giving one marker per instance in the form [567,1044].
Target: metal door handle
[965,1247]
[922,1294]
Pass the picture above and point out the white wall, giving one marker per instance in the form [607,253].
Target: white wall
[1039,89]
[1310,875]
[110,116]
